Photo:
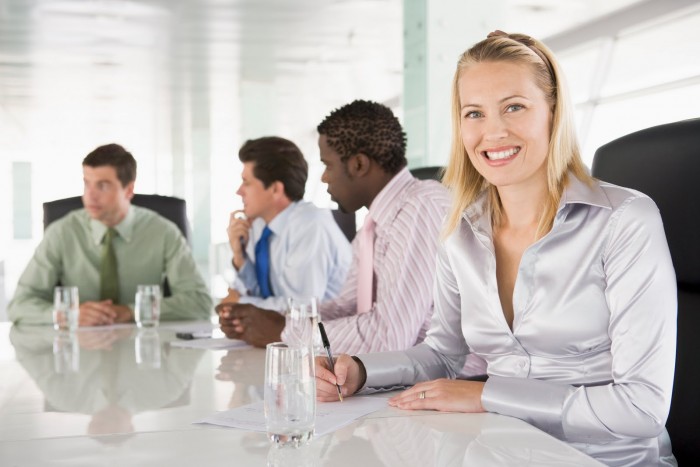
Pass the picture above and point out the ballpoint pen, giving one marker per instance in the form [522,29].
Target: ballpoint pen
[327,346]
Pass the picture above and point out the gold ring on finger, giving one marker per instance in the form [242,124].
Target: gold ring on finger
[421,395]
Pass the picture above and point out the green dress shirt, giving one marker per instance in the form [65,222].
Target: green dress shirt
[148,249]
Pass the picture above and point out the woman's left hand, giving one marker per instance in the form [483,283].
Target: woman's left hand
[445,395]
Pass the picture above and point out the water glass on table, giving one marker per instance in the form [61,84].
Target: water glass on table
[302,323]
[147,306]
[290,394]
[66,308]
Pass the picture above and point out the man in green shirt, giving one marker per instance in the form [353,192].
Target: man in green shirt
[107,249]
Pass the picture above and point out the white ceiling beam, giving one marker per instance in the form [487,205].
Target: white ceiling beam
[610,25]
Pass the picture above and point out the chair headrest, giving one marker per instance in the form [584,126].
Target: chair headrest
[663,162]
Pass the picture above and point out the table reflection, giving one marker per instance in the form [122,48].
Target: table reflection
[445,440]
[245,368]
[109,374]
[302,456]
[496,444]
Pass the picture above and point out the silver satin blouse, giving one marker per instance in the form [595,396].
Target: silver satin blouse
[592,352]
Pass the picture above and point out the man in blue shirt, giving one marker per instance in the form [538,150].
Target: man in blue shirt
[282,246]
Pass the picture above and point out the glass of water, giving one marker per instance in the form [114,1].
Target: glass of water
[147,306]
[302,323]
[290,394]
[66,308]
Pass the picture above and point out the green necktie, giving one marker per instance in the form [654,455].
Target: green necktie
[109,280]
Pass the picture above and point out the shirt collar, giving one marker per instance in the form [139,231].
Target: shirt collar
[279,222]
[579,192]
[125,228]
[385,204]
[575,192]
[477,214]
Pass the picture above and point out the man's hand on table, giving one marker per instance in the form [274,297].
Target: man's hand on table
[247,322]
[104,313]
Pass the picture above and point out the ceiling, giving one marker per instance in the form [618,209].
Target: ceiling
[113,45]
[77,73]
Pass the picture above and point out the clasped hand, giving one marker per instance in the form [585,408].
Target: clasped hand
[254,325]
[104,313]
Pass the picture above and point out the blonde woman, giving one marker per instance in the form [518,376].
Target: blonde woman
[563,284]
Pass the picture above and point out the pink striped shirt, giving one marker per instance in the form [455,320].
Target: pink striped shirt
[409,214]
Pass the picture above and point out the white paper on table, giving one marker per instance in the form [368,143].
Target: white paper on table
[215,343]
[330,416]
[190,326]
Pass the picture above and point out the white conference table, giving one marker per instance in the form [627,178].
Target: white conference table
[133,403]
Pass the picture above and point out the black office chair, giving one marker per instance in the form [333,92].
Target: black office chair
[173,209]
[346,222]
[664,163]
[428,173]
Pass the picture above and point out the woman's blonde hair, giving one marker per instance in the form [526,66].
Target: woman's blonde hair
[563,156]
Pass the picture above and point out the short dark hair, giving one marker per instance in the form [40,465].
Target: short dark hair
[369,128]
[115,156]
[277,159]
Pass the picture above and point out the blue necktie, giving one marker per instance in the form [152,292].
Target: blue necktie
[262,262]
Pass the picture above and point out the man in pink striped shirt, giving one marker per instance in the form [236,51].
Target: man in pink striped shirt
[387,304]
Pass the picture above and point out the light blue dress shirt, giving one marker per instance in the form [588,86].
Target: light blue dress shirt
[591,355]
[309,256]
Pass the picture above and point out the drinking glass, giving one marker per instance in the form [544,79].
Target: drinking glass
[66,308]
[147,306]
[290,394]
[302,323]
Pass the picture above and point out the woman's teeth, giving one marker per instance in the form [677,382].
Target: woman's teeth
[497,155]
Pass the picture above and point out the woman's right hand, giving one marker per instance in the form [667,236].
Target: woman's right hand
[348,374]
